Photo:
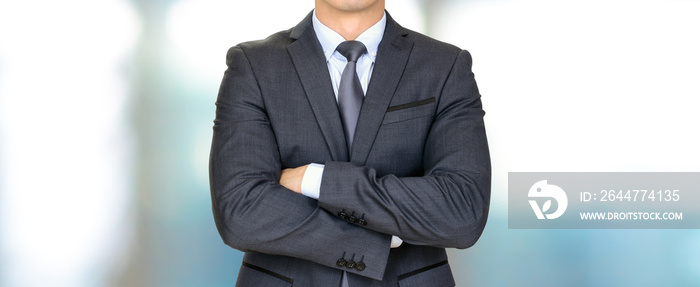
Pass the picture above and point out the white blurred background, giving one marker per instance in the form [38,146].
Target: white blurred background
[106,108]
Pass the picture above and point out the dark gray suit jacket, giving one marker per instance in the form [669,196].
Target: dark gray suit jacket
[419,167]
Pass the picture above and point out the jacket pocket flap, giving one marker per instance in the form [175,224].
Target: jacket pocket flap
[437,275]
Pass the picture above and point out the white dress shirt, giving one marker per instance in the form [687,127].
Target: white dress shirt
[329,39]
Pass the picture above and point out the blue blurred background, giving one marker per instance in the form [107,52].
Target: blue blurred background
[106,108]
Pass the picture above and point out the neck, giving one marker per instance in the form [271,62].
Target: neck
[349,23]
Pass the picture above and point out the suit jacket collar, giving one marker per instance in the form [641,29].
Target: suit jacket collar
[309,62]
[307,55]
[392,56]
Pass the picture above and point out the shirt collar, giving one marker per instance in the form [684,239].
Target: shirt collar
[330,39]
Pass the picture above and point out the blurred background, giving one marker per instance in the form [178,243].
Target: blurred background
[106,109]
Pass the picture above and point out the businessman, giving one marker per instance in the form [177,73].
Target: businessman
[348,151]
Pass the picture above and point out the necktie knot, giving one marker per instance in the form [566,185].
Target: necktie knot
[351,50]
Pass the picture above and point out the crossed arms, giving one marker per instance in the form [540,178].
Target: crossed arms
[256,209]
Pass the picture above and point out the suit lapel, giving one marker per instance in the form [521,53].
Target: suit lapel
[312,69]
[392,56]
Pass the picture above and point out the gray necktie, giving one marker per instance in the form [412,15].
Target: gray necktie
[350,98]
[350,93]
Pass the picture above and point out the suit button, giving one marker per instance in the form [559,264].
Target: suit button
[361,222]
[352,219]
[343,215]
[351,264]
[341,262]
[360,266]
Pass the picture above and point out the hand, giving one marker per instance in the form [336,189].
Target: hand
[291,178]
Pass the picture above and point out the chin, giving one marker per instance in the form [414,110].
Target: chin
[352,5]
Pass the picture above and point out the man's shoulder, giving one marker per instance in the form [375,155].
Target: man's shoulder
[268,51]
[432,48]
[276,41]
[425,40]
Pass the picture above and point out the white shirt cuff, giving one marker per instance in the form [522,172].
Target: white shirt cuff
[395,241]
[311,182]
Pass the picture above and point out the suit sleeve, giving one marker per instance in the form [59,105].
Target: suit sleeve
[448,205]
[253,212]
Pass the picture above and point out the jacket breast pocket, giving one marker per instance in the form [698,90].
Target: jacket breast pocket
[404,112]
